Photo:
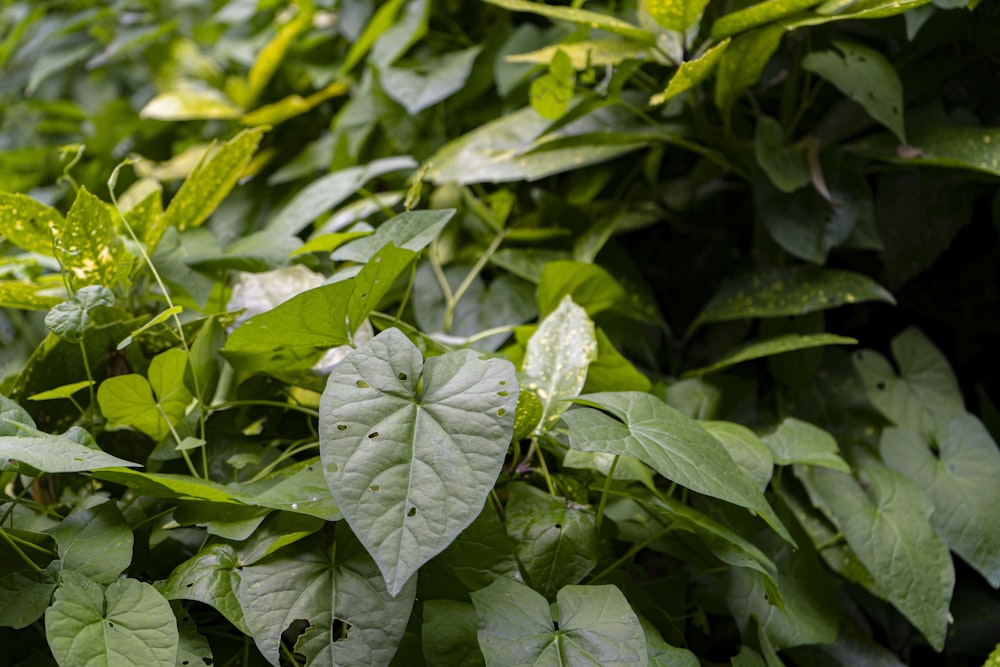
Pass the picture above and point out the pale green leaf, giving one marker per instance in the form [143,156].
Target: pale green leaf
[867,77]
[691,73]
[924,392]
[588,53]
[206,187]
[128,623]
[128,399]
[797,441]
[790,291]
[555,543]
[381,21]
[328,191]
[95,542]
[352,618]
[747,450]
[26,222]
[211,576]
[662,654]
[431,81]
[595,626]
[678,448]
[411,449]
[192,647]
[203,104]
[676,15]
[583,17]
[960,480]
[756,15]
[770,347]
[742,64]
[413,230]
[157,319]
[557,358]
[885,522]
[64,391]
[404,33]
[294,334]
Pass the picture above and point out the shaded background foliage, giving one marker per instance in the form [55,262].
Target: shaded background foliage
[673,198]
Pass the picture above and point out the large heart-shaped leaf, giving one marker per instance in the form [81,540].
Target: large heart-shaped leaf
[211,576]
[352,618]
[411,449]
[95,542]
[595,626]
[128,624]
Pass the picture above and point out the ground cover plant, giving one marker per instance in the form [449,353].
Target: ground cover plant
[499,332]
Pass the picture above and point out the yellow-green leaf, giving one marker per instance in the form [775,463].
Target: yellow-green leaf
[691,73]
[677,15]
[26,222]
[191,105]
[757,15]
[589,53]
[743,63]
[65,391]
[582,17]
[86,243]
[41,295]
[552,92]
[292,106]
[270,57]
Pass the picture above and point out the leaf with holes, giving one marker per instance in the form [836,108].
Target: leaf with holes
[212,576]
[411,448]
[594,625]
[351,618]
[128,623]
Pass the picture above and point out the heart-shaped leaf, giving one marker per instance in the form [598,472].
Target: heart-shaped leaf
[411,449]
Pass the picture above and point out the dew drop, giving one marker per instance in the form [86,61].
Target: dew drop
[295,506]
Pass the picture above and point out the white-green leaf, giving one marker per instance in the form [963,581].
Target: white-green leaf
[95,542]
[130,623]
[411,449]
[678,448]
[924,393]
[595,626]
[885,522]
[800,442]
[867,77]
[961,484]
[432,81]
[558,355]
[353,620]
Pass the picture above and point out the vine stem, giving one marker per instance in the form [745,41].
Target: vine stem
[630,554]
[17,549]
[604,493]
[449,312]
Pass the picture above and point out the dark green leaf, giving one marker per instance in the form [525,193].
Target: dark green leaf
[449,634]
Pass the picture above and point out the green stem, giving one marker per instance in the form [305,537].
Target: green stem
[90,378]
[406,294]
[17,499]
[449,311]
[17,550]
[536,449]
[630,554]
[273,404]
[604,493]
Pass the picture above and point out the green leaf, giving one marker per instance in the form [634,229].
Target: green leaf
[676,15]
[26,222]
[942,146]
[555,543]
[520,146]
[770,347]
[865,76]
[557,358]
[588,53]
[20,441]
[24,596]
[448,634]
[393,428]
[95,542]
[552,93]
[273,53]
[594,626]
[611,371]
[352,619]
[210,182]
[413,230]
[885,522]
[128,399]
[785,165]
[192,647]
[756,15]
[960,483]
[293,335]
[70,319]
[790,291]
[583,17]
[431,81]
[211,576]
[591,287]
[86,244]
[39,295]
[327,192]
[924,393]
[662,654]
[691,73]
[205,104]
[678,448]
[381,21]
[129,622]
[406,32]
[747,450]
[800,442]
[743,63]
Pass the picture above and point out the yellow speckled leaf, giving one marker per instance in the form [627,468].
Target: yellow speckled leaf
[691,73]
[31,296]
[757,15]
[208,185]
[590,53]
[678,15]
[743,63]
[583,17]
[87,246]
[26,222]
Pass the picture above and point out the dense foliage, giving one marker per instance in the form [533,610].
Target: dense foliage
[621,332]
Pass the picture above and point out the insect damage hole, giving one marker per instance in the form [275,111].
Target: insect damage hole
[412,512]
[373,435]
[339,630]
[362,384]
